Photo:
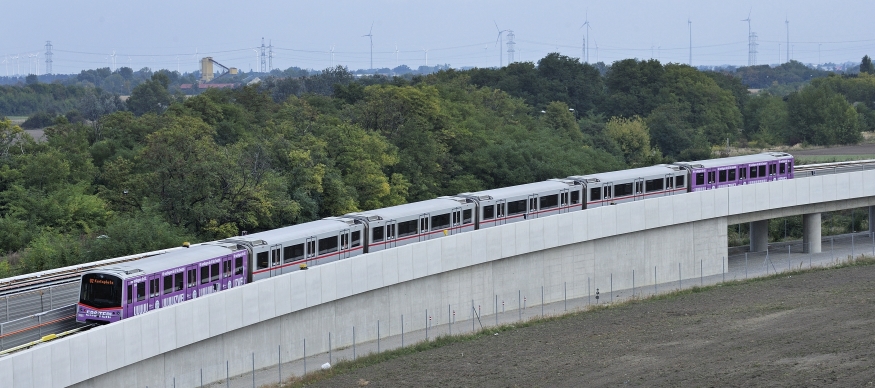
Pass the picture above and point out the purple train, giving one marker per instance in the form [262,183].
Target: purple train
[116,292]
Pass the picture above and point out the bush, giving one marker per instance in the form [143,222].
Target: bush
[38,120]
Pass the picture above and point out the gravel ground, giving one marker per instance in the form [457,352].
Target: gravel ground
[808,329]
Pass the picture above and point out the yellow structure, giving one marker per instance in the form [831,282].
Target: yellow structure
[206,69]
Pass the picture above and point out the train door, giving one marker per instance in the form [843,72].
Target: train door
[607,193]
[423,227]
[456,226]
[390,234]
[500,215]
[310,250]
[276,260]
[154,288]
[227,271]
[563,201]
[344,244]
[669,184]
[533,207]
[773,171]
[638,187]
[711,178]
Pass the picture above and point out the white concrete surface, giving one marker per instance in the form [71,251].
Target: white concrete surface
[660,239]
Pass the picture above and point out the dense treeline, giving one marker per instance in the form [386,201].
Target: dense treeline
[116,178]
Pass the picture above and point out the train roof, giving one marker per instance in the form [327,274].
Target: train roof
[408,209]
[286,233]
[735,160]
[165,261]
[520,190]
[658,170]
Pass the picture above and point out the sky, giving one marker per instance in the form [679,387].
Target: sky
[318,34]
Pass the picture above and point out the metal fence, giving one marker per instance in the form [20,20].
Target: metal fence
[291,358]
[28,303]
[23,330]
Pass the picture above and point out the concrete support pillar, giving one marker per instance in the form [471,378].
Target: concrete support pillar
[811,233]
[759,236]
[871,219]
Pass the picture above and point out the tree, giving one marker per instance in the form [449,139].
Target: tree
[866,65]
[150,96]
[31,79]
[819,115]
[633,137]
[12,136]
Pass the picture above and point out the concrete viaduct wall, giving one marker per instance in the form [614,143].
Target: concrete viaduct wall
[687,229]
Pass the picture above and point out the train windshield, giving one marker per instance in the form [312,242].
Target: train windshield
[101,290]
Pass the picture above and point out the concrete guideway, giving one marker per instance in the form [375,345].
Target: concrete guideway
[683,233]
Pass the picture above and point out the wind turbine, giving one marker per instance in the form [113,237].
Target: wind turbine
[586,49]
[113,61]
[499,42]
[332,56]
[749,47]
[396,55]
[787,22]
[6,62]
[690,24]
[371,36]
[426,57]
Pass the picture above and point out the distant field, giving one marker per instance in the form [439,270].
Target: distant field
[17,119]
[809,159]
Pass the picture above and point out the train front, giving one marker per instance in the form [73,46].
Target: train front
[100,298]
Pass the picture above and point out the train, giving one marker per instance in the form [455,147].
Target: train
[115,292]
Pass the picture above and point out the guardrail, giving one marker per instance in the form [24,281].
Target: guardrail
[804,170]
[32,328]
[40,279]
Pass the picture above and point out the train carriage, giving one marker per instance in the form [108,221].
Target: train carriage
[522,202]
[418,221]
[614,187]
[284,250]
[123,290]
[738,170]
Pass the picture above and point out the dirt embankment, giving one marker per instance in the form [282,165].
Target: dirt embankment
[811,329]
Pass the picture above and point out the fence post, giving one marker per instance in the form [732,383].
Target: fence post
[330,361]
[353,342]
[402,330]
[426,324]
[612,287]
[745,265]
[253,370]
[679,276]
[633,283]
[565,287]
[496,310]
[378,336]
[519,306]
[305,356]
[202,377]
[227,373]
[701,273]
[449,320]
[542,302]
[588,292]
[279,362]
[473,316]
[723,263]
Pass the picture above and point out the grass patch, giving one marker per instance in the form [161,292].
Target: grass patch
[813,159]
[346,366]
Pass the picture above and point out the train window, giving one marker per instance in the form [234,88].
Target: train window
[238,266]
[488,212]
[130,294]
[731,176]
[292,253]
[261,260]
[595,194]
[782,169]
[742,173]
[205,274]
[753,172]
[214,272]
[390,231]
[168,284]
[275,256]
[549,201]
[575,197]
[192,277]
[141,291]
[466,216]
[762,170]
[356,239]
[378,234]
[516,207]
[700,178]
[499,210]
[423,224]
[226,268]
[722,176]
[679,181]
[328,245]
[407,228]
[154,287]
[623,190]
[440,221]
[179,283]
[533,204]
[653,185]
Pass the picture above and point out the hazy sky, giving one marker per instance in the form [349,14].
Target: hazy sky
[166,34]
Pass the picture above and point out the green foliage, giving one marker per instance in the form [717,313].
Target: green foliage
[633,137]
[764,76]
[866,65]
[150,96]
[38,120]
[822,116]
[633,88]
